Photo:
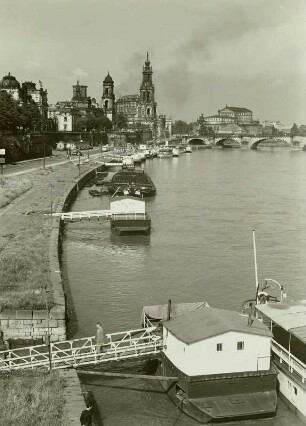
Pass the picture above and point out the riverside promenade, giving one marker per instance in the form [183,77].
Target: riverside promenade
[31,292]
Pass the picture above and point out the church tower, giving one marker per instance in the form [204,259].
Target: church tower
[108,97]
[147,101]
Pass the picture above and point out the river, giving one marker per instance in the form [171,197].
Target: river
[200,248]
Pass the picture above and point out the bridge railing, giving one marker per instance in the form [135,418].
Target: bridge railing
[73,353]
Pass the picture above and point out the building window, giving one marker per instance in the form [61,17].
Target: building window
[148,111]
[106,90]
[240,346]
[65,126]
[295,390]
[106,104]
[219,347]
[65,118]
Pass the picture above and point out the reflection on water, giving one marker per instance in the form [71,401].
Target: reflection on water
[200,249]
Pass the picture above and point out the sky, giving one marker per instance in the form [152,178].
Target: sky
[205,53]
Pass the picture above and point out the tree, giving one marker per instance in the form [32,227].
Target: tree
[9,114]
[204,130]
[29,116]
[294,130]
[121,121]
[90,122]
[180,127]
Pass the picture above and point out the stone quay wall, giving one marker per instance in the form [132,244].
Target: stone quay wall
[33,325]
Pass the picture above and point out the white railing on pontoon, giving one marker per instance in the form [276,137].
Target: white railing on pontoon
[294,365]
[73,353]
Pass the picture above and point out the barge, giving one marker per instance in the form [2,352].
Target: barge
[134,182]
[128,216]
[222,363]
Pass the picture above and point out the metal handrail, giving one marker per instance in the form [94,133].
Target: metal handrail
[82,351]
[294,364]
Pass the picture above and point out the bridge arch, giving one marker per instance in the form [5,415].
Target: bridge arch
[232,143]
[196,141]
[254,145]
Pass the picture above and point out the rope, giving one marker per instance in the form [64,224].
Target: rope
[176,407]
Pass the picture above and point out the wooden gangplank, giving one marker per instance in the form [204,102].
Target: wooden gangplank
[130,344]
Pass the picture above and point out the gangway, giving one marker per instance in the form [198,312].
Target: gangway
[84,351]
[82,215]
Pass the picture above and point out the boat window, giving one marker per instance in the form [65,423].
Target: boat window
[240,346]
[219,347]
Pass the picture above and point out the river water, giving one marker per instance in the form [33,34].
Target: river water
[200,249]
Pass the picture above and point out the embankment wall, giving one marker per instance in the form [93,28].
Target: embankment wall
[33,325]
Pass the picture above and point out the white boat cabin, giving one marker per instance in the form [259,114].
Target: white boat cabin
[127,206]
[216,341]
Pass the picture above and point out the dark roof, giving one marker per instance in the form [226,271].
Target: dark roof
[9,82]
[236,109]
[108,79]
[205,323]
[128,97]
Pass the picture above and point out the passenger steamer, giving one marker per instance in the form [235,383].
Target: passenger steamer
[222,363]
[287,322]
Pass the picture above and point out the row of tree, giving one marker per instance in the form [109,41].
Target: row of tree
[15,116]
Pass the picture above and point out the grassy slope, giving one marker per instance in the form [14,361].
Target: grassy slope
[31,398]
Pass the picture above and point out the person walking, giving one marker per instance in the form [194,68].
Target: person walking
[86,417]
[100,338]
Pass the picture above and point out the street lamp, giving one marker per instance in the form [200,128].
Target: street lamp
[47,336]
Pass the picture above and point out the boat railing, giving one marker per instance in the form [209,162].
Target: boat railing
[294,364]
[130,216]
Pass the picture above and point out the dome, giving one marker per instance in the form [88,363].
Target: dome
[9,82]
[108,79]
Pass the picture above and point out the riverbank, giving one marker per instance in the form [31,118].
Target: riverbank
[32,297]
[25,238]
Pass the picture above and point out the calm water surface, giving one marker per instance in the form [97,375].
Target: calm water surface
[200,248]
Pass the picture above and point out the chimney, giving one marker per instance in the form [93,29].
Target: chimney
[169,310]
[250,317]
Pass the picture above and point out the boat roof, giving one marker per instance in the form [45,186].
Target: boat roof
[160,312]
[202,324]
[291,316]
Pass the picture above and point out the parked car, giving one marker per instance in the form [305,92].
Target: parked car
[77,152]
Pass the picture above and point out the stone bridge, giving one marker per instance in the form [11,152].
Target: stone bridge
[252,142]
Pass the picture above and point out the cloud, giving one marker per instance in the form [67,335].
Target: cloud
[78,72]
[33,64]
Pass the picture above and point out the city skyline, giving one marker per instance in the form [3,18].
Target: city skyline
[207,54]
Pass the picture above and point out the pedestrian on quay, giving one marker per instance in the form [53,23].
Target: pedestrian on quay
[86,417]
[100,338]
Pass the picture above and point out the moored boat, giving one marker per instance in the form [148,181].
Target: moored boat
[132,181]
[164,152]
[128,216]
[188,149]
[175,152]
[221,360]
[287,322]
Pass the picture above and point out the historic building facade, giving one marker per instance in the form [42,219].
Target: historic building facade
[140,109]
[26,92]
[66,113]
[232,117]
[108,98]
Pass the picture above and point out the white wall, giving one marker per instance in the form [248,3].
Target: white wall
[203,358]
[61,121]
